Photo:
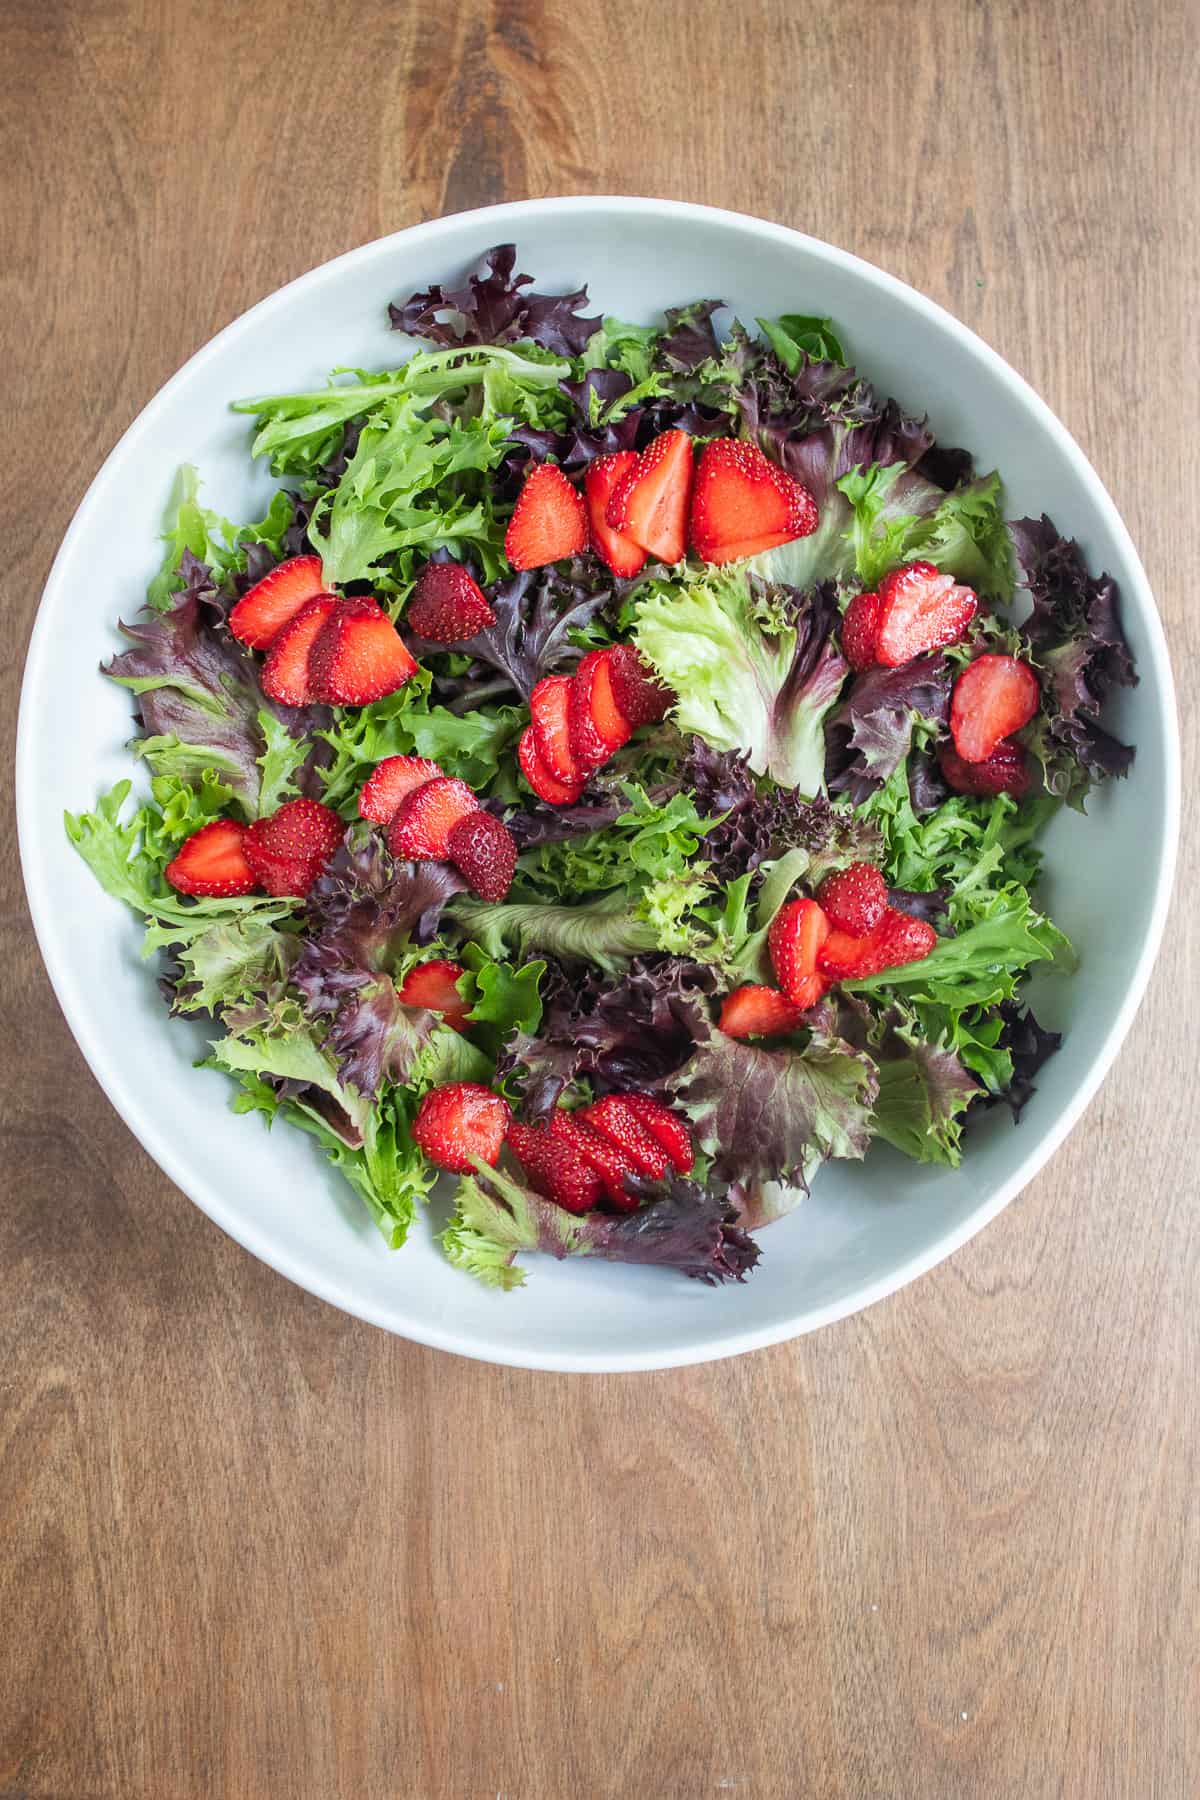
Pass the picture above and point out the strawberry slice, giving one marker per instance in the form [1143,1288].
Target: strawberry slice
[860,631]
[649,502]
[666,1128]
[288,850]
[897,939]
[543,783]
[794,940]
[358,656]
[993,697]
[620,554]
[555,1169]
[434,985]
[482,848]
[550,716]
[212,862]
[600,1153]
[549,521]
[753,1011]
[448,605]
[267,607]
[616,1120]
[855,899]
[1005,771]
[841,955]
[461,1120]
[392,781]
[285,674]
[744,503]
[920,609]
[637,692]
[597,725]
[421,827]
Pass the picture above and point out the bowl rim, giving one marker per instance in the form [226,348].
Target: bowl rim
[505,219]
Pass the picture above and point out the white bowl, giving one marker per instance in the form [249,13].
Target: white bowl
[868,1229]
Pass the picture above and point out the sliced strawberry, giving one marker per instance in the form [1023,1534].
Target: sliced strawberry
[920,609]
[448,605]
[794,940]
[461,1120]
[543,783]
[649,502]
[744,503]
[271,603]
[897,939]
[288,850]
[1005,771]
[666,1127]
[860,630]
[597,726]
[392,781]
[555,1169]
[615,1120]
[549,521]
[435,985]
[212,862]
[421,826]
[600,1153]
[620,554]
[637,692]
[841,955]
[753,1011]
[285,674]
[358,656]
[550,716]
[482,848]
[854,899]
[993,697]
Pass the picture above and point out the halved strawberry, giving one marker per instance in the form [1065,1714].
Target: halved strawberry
[809,989]
[754,1011]
[615,1120]
[550,716]
[266,608]
[288,850]
[841,955]
[543,783]
[649,502]
[285,675]
[555,1168]
[390,782]
[610,1163]
[213,862]
[666,1127]
[597,725]
[794,940]
[854,899]
[1005,771]
[434,984]
[897,939]
[482,848]
[637,691]
[421,826]
[549,521]
[993,697]
[461,1120]
[920,609]
[448,605]
[358,656]
[744,503]
[620,554]
[860,630]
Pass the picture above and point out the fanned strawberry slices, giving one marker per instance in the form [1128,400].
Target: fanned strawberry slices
[743,503]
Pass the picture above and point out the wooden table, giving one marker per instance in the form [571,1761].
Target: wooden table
[250,1548]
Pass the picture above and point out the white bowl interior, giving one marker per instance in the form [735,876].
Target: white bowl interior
[867,1229]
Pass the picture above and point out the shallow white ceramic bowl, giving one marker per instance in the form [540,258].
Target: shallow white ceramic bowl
[867,1229]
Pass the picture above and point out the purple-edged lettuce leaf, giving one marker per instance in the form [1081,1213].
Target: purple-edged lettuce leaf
[871,732]
[1028,1045]
[688,338]
[925,1088]
[680,1226]
[1081,655]
[497,307]
[759,822]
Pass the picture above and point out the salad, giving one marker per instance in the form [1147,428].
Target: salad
[610,774]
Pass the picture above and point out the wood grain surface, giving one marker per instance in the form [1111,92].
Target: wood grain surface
[249,1547]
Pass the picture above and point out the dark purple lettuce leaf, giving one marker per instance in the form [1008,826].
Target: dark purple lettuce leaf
[927,788]
[194,681]
[1080,653]
[760,825]
[1029,1045]
[493,308]
[946,466]
[689,338]
[928,906]
[870,734]
[536,823]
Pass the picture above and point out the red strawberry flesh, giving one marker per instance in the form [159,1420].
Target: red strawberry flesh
[212,862]
[390,782]
[550,716]
[555,1169]
[358,656]
[549,521]
[1005,771]
[273,602]
[920,609]
[434,985]
[755,1011]
[421,827]
[649,503]
[286,675]
[743,503]
[543,783]
[620,554]
[637,692]
[794,940]
[448,605]
[482,848]
[597,727]
[854,899]
[993,697]
[860,631]
[600,1153]
[615,1120]
[461,1120]
[666,1127]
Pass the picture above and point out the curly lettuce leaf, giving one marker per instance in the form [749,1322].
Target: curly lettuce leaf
[646,840]
[898,516]
[796,336]
[982,965]
[605,931]
[195,531]
[475,747]
[870,734]
[493,307]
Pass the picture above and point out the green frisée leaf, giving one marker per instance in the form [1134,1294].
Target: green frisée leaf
[605,932]
[210,538]
[474,747]
[981,966]
[230,961]
[898,516]
[795,336]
